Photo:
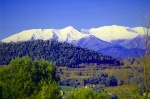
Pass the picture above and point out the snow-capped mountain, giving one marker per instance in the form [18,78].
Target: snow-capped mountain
[67,34]
[109,33]
[107,39]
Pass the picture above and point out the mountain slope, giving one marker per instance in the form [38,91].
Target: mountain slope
[121,52]
[137,42]
[63,54]
[93,43]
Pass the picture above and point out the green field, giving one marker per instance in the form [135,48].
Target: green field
[66,88]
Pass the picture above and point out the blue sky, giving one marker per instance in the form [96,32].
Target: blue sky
[19,15]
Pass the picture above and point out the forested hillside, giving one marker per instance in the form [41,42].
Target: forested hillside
[63,54]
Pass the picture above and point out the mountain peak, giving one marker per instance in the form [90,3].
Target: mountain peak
[69,27]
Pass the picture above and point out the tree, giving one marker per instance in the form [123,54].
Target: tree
[146,58]
[144,85]
[25,78]
[50,91]
[112,81]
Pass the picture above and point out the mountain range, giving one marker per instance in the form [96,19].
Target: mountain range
[115,41]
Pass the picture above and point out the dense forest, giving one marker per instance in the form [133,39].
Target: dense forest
[61,53]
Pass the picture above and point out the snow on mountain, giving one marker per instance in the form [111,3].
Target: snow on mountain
[68,34]
[85,31]
[114,32]
[46,34]
[141,30]
[106,33]
[22,36]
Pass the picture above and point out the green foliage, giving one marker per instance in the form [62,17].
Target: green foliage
[24,77]
[50,92]
[87,93]
[63,54]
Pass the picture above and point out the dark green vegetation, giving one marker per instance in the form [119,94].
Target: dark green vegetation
[63,54]
[24,78]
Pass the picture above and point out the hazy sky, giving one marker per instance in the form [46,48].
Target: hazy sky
[19,15]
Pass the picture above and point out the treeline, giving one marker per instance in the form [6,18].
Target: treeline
[62,54]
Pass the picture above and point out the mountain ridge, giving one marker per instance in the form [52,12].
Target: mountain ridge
[96,39]
[101,32]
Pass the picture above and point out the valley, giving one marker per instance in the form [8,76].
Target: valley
[112,79]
